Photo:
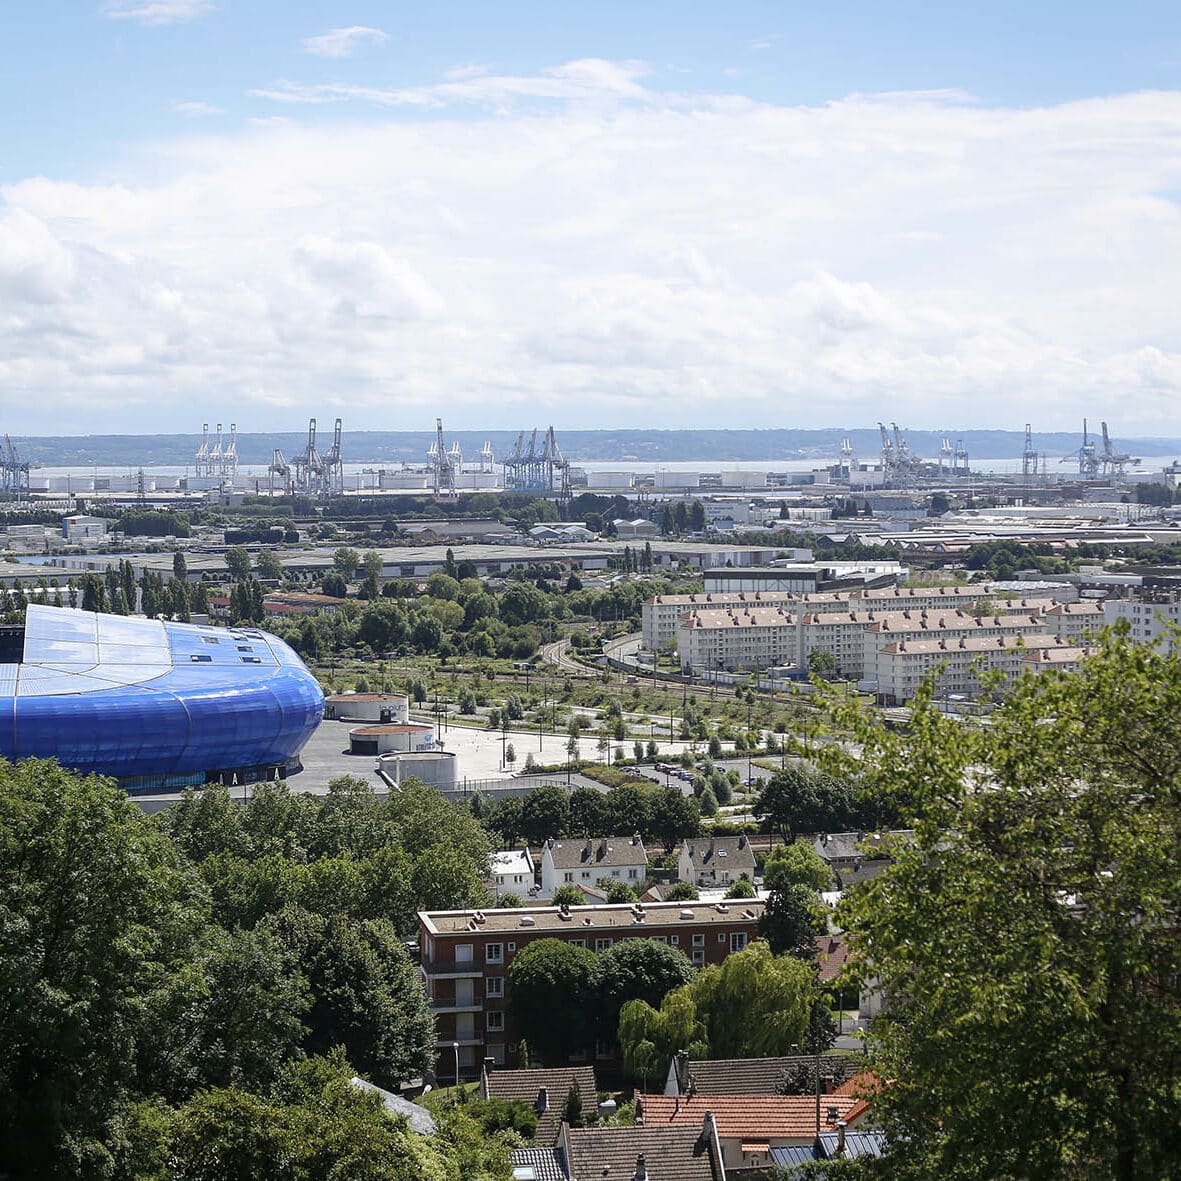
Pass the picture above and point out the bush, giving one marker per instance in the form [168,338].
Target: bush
[682,892]
[741,889]
[501,1115]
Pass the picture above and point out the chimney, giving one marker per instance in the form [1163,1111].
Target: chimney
[709,1126]
[832,1115]
[489,1063]
[641,1169]
[541,1104]
[841,1126]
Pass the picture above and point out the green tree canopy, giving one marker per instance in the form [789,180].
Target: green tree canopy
[553,991]
[637,969]
[1032,928]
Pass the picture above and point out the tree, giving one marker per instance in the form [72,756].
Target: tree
[568,895]
[345,561]
[180,568]
[637,969]
[552,989]
[822,663]
[799,799]
[1033,921]
[98,915]
[366,994]
[545,813]
[673,817]
[267,565]
[741,889]
[237,562]
[588,813]
[792,919]
[753,1004]
[682,892]
[334,585]
[798,863]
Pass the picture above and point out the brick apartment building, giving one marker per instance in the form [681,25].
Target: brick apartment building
[466,956]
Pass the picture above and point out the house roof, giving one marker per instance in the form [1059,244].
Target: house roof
[539,1164]
[760,1076]
[596,852]
[748,1117]
[832,954]
[622,918]
[670,1153]
[512,861]
[862,846]
[420,1119]
[525,1086]
[721,853]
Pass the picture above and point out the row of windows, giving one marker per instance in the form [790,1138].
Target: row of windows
[568,875]
[494,953]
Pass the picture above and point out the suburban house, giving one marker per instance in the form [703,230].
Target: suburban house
[856,856]
[584,862]
[639,1153]
[716,861]
[749,1126]
[512,873]
[466,955]
[546,1091]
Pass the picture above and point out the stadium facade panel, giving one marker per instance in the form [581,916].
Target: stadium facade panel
[147,701]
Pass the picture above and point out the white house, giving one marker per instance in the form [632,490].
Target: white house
[512,873]
[585,862]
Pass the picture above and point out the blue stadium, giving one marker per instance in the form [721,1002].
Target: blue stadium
[152,703]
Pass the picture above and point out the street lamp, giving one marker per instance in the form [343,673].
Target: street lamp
[455,1047]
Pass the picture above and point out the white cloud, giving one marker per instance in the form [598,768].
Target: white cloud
[156,12]
[196,109]
[574,81]
[581,245]
[344,42]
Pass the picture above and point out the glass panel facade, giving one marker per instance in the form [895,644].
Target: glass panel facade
[122,697]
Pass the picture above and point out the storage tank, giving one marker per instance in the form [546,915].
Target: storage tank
[391,736]
[368,707]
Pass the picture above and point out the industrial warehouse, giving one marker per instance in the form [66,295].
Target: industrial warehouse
[154,704]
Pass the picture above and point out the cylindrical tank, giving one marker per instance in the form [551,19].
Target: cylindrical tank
[368,707]
[391,736]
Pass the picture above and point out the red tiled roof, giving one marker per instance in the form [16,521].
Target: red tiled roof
[748,1117]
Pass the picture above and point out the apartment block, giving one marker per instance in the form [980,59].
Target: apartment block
[466,955]
[750,638]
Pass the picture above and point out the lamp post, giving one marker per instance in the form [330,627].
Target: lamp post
[455,1047]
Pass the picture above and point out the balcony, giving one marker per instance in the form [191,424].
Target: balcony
[450,970]
[456,1005]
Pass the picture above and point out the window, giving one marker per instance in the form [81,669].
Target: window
[568,877]
[251,659]
[602,944]
[633,873]
[676,940]
[511,948]
[494,953]
[698,940]
[494,986]
[463,953]
[586,874]
[721,936]
[496,1022]
[210,640]
[201,659]
[737,940]
[698,956]
[577,942]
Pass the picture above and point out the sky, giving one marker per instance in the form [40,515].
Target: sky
[613,214]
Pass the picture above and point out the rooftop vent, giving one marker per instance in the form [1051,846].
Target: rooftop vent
[527,920]
[686,914]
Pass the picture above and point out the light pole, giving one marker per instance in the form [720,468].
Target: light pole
[455,1047]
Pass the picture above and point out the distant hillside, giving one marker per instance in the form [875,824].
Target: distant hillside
[708,446]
